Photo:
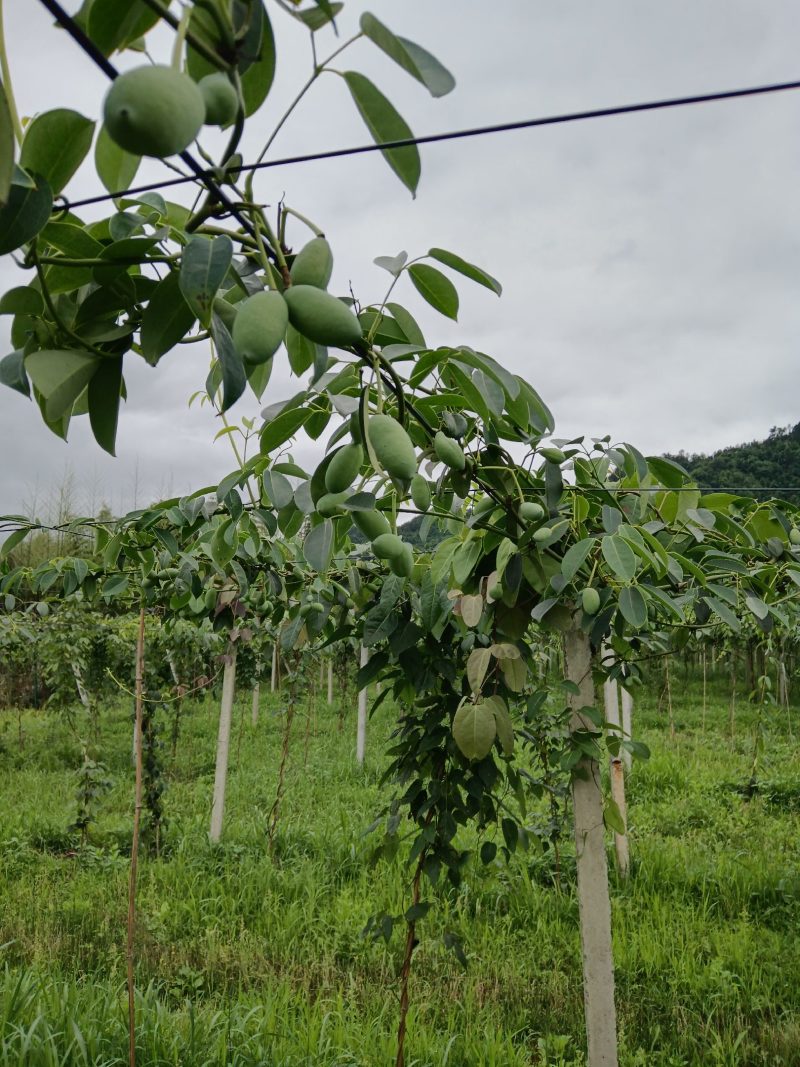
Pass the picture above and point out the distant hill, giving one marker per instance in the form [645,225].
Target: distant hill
[773,462]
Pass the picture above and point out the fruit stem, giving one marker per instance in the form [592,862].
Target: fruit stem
[197,44]
[180,40]
[258,221]
[5,76]
[311,225]
[318,69]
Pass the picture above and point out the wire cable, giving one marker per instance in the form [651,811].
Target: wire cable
[454,135]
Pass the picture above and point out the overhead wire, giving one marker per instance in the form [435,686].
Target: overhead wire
[453,135]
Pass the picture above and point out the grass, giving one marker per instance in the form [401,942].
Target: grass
[242,960]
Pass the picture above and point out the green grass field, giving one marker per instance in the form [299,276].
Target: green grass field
[247,960]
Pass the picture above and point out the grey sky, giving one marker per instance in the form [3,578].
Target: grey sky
[650,263]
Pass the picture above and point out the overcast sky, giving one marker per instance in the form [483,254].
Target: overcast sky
[650,263]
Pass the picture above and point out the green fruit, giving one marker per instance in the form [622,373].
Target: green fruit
[590,599]
[531,511]
[211,599]
[154,111]
[794,535]
[403,564]
[542,533]
[388,546]
[496,592]
[331,504]
[343,468]
[392,447]
[555,455]
[220,98]
[313,264]
[449,451]
[421,492]
[321,317]
[226,311]
[484,505]
[372,523]
[260,326]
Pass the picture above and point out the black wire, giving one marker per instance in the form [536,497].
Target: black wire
[453,135]
[97,57]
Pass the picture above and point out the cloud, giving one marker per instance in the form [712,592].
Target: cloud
[649,262]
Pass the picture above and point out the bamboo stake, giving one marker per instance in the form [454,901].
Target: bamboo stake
[593,898]
[617,775]
[223,744]
[137,814]
[361,736]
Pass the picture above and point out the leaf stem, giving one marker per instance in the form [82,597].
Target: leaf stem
[5,75]
[318,69]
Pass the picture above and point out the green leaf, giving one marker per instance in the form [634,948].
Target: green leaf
[284,426]
[12,541]
[258,376]
[316,18]
[505,727]
[258,78]
[633,606]
[278,489]
[385,124]
[474,729]
[612,817]
[204,264]
[436,288]
[234,380]
[318,545]
[407,323]
[12,373]
[22,300]
[113,24]
[620,557]
[71,239]
[24,214]
[302,352]
[115,586]
[116,168]
[7,147]
[413,59]
[166,319]
[757,606]
[55,145]
[469,270]
[575,557]
[724,613]
[477,666]
[60,377]
[104,396]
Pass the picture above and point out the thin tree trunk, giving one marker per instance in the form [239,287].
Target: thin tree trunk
[617,774]
[273,684]
[223,744]
[137,814]
[627,718]
[733,694]
[704,689]
[330,681]
[361,736]
[256,694]
[669,700]
[593,898]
